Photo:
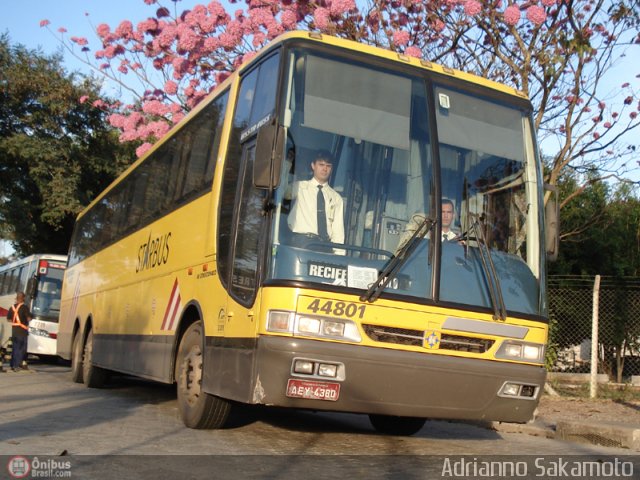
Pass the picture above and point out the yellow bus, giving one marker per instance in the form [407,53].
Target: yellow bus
[187,270]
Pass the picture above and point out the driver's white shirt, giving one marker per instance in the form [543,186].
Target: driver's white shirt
[304,213]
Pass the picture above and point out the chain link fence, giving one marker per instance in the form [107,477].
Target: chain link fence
[575,303]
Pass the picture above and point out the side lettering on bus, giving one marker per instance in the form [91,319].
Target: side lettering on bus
[338,309]
[153,253]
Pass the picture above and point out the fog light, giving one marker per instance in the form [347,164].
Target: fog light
[511,389]
[327,370]
[303,366]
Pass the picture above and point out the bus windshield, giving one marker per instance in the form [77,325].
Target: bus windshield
[46,304]
[373,128]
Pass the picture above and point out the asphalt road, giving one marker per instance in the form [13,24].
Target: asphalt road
[131,429]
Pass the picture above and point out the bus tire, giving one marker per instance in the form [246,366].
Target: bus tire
[390,425]
[94,377]
[76,358]
[198,409]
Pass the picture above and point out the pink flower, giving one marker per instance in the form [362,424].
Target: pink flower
[321,18]
[177,117]
[289,19]
[607,124]
[596,135]
[44,23]
[62,30]
[217,10]
[472,7]
[628,100]
[84,98]
[187,38]
[116,120]
[549,3]
[124,29]
[633,115]
[413,51]
[171,87]
[401,38]
[79,40]
[149,2]
[340,7]
[511,15]
[103,30]
[625,85]
[145,147]
[155,107]
[439,25]
[536,15]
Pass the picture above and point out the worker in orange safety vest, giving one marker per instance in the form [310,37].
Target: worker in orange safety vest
[19,316]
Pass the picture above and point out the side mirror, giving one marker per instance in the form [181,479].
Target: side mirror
[268,157]
[551,221]
[31,287]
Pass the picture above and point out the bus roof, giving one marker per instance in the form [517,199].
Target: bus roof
[31,258]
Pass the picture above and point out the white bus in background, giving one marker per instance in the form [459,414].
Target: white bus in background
[40,277]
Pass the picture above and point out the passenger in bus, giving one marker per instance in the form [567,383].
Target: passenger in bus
[448,232]
[19,316]
[317,212]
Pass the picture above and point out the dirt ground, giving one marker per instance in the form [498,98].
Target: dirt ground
[552,409]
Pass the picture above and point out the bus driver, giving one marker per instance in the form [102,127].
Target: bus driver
[318,208]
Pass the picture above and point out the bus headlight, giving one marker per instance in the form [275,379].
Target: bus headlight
[334,328]
[309,326]
[528,352]
[281,321]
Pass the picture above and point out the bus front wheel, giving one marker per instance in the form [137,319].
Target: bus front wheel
[76,358]
[198,409]
[390,425]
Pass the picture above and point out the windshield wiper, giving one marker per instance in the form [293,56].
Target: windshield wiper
[493,282]
[394,264]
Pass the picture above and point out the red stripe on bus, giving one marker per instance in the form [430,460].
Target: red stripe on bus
[166,313]
[174,313]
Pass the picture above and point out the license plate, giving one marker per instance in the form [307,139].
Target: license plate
[311,390]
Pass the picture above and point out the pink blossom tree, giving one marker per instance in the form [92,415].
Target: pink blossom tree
[557,52]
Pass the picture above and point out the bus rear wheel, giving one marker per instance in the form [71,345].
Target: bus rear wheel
[94,377]
[76,358]
[198,409]
[390,425]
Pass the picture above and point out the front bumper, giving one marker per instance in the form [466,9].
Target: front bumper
[391,382]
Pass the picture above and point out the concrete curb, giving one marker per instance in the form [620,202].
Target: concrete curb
[607,434]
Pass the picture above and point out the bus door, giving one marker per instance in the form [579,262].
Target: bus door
[241,315]
[242,232]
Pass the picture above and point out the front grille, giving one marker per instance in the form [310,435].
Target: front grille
[405,336]
[400,336]
[464,344]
